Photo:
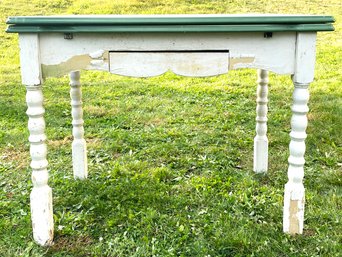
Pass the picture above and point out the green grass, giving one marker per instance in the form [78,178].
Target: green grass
[170,158]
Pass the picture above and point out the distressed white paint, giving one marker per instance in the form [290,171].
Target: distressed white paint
[275,54]
[293,218]
[100,65]
[284,53]
[41,195]
[260,140]
[305,57]
[79,147]
[97,63]
[147,64]
[294,196]
[97,54]
[30,59]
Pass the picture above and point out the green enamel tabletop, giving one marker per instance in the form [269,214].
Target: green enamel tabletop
[169,23]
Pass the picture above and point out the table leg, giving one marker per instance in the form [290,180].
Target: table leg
[260,140]
[79,147]
[41,195]
[294,189]
[293,219]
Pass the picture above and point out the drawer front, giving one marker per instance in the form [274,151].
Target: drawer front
[154,63]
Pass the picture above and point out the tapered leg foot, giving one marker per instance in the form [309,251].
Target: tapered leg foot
[260,155]
[294,199]
[260,140]
[79,159]
[41,215]
[79,147]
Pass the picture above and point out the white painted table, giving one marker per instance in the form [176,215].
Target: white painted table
[144,46]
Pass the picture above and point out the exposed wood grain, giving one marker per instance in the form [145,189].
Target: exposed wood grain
[246,50]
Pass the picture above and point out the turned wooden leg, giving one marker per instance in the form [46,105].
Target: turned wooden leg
[294,189]
[41,195]
[294,196]
[79,147]
[260,140]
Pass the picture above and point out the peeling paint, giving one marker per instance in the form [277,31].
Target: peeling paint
[297,195]
[240,62]
[77,62]
[97,54]
[97,62]
[294,221]
[74,63]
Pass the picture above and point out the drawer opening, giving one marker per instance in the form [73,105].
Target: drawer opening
[169,51]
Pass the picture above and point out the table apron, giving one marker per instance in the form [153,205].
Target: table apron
[91,51]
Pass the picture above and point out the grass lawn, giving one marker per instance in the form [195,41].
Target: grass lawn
[170,158]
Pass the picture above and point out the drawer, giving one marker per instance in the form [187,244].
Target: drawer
[153,63]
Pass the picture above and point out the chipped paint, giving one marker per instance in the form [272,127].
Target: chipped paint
[294,219]
[241,62]
[97,63]
[97,54]
[294,200]
[77,62]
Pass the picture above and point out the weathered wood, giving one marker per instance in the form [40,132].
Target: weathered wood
[286,51]
[79,147]
[260,140]
[246,50]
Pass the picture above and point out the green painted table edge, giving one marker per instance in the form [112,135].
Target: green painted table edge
[169,19]
[169,23]
[175,28]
